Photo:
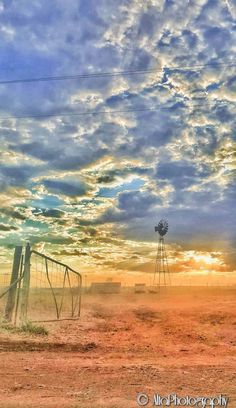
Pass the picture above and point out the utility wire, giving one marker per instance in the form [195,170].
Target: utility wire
[114,74]
[105,112]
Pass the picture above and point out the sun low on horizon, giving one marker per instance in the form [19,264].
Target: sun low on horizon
[112,117]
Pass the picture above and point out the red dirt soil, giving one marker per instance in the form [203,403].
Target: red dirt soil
[182,342]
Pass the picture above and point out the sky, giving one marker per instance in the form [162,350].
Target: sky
[88,188]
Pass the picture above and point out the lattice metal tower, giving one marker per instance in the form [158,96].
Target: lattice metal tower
[161,274]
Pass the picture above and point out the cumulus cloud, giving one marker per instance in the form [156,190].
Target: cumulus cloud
[168,150]
[4,227]
[66,187]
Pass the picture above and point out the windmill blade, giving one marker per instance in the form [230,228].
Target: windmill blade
[162,227]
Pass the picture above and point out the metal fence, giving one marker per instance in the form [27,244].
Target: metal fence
[39,289]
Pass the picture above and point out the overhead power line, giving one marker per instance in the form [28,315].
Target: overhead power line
[105,112]
[115,73]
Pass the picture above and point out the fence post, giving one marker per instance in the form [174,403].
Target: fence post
[26,285]
[11,299]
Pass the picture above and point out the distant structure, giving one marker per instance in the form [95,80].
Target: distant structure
[161,274]
[105,287]
[140,288]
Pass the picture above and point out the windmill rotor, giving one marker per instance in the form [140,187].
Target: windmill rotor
[162,227]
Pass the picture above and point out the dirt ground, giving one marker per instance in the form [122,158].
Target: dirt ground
[182,342]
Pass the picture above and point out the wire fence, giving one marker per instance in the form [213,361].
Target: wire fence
[5,279]
[39,289]
[54,291]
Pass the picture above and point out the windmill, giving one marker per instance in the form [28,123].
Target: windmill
[161,274]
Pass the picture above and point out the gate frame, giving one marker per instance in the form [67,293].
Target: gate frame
[67,269]
[19,296]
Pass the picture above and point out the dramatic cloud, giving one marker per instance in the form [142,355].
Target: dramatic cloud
[89,164]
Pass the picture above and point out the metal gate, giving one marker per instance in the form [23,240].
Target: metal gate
[40,289]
